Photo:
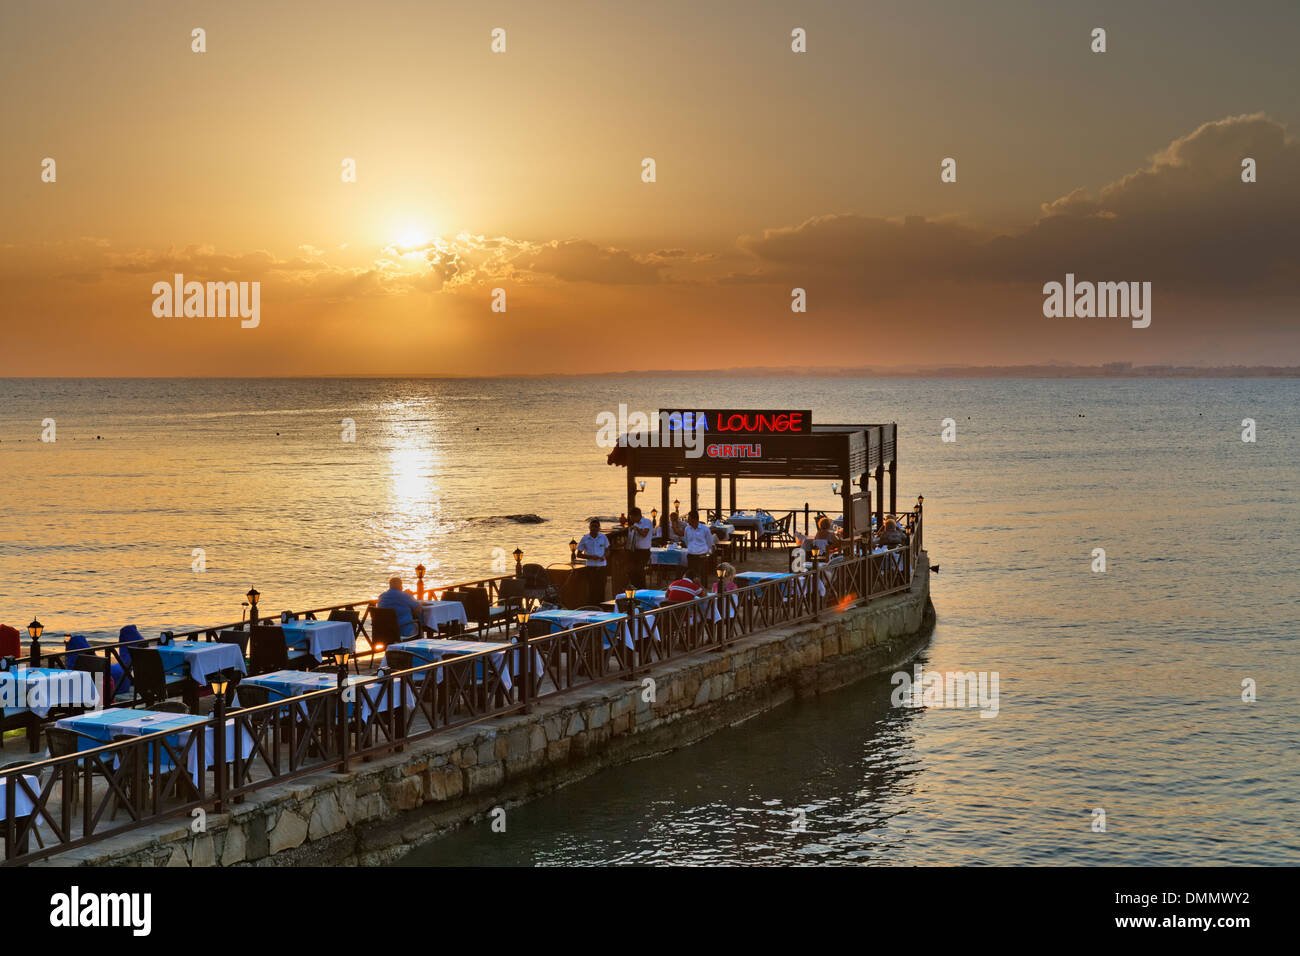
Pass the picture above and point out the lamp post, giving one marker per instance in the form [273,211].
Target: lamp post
[573,551]
[34,631]
[816,579]
[419,581]
[219,684]
[524,668]
[252,595]
[519,562]
[677,506]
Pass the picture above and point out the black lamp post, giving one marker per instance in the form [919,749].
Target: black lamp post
[419,578]
[573,551]
[519,562]
[341,669]
[252,595]
[816,579]
[219,684]
[34,631]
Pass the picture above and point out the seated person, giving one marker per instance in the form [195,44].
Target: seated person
[407,607]
[892,536]
[684,588]
[827,540]
[676,528]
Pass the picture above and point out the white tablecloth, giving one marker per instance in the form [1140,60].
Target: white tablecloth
[22,803]
[443,612]
[203,658]
[39,688]
[321,636]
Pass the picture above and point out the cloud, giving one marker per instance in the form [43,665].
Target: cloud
[1186,220]
[578,260]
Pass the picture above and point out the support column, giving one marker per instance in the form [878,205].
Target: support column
[695,493]
[717,495]
[893,485]
[880,497]
[664,505]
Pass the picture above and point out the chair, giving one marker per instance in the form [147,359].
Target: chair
[152,682]
[95,665]
[478,608]
[538,584]
[170,707]
[384,628]
[65,743]
[267,650]
[511,595]
[18,821]
[349,615]
[11,644]
[778,532]
[235,637]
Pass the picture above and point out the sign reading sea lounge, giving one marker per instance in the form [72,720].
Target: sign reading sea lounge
[738,422]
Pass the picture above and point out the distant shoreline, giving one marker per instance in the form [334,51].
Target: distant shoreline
[1110,370]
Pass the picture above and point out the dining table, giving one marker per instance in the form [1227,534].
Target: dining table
[41,689]
[197,660]
[319,638]
[290,683]
[430,650]
[436,613]
[99,727]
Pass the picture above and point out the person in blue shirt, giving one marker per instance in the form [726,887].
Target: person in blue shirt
[407,607]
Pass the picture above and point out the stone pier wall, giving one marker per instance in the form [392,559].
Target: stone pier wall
[381,809]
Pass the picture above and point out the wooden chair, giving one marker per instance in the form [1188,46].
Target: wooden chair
[267,650]
[21,821]
[384,628]
[239,637]
[479,610]
[65,743]
[152,682]
[349,615]
[170,707]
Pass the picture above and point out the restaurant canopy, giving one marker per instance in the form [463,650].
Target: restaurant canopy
[730,444]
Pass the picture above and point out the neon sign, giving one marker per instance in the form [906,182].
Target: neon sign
[739,421]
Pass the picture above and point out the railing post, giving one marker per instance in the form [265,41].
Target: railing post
[525,667]
[815,584]
[219,749]
[341,704]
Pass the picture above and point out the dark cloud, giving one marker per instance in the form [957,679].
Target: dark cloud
[1186,220]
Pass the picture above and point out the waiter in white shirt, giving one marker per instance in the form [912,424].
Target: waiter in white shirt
[592,548]
[699,547]
[639,531]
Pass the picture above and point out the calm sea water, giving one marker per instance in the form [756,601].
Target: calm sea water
[1119,691]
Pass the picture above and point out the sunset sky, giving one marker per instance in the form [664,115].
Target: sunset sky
[522,170]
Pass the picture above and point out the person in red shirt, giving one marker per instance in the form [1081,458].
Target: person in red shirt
[684,588]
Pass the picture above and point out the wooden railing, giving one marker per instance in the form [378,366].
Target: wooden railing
[209,763]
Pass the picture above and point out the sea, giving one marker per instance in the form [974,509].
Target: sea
[1148,713]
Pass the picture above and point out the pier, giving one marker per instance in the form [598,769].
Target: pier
[503,693]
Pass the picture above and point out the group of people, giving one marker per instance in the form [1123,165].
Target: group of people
[594,547]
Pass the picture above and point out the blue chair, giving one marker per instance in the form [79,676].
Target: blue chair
[121,676]
[77,642]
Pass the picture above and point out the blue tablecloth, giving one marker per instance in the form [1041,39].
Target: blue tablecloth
[320,637]
[561,619]
[296,683]
[431,650]
[39,688]
[102,725]
[751,520]
[675,557]
[198,659]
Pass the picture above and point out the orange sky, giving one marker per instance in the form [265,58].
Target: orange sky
[521,171]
